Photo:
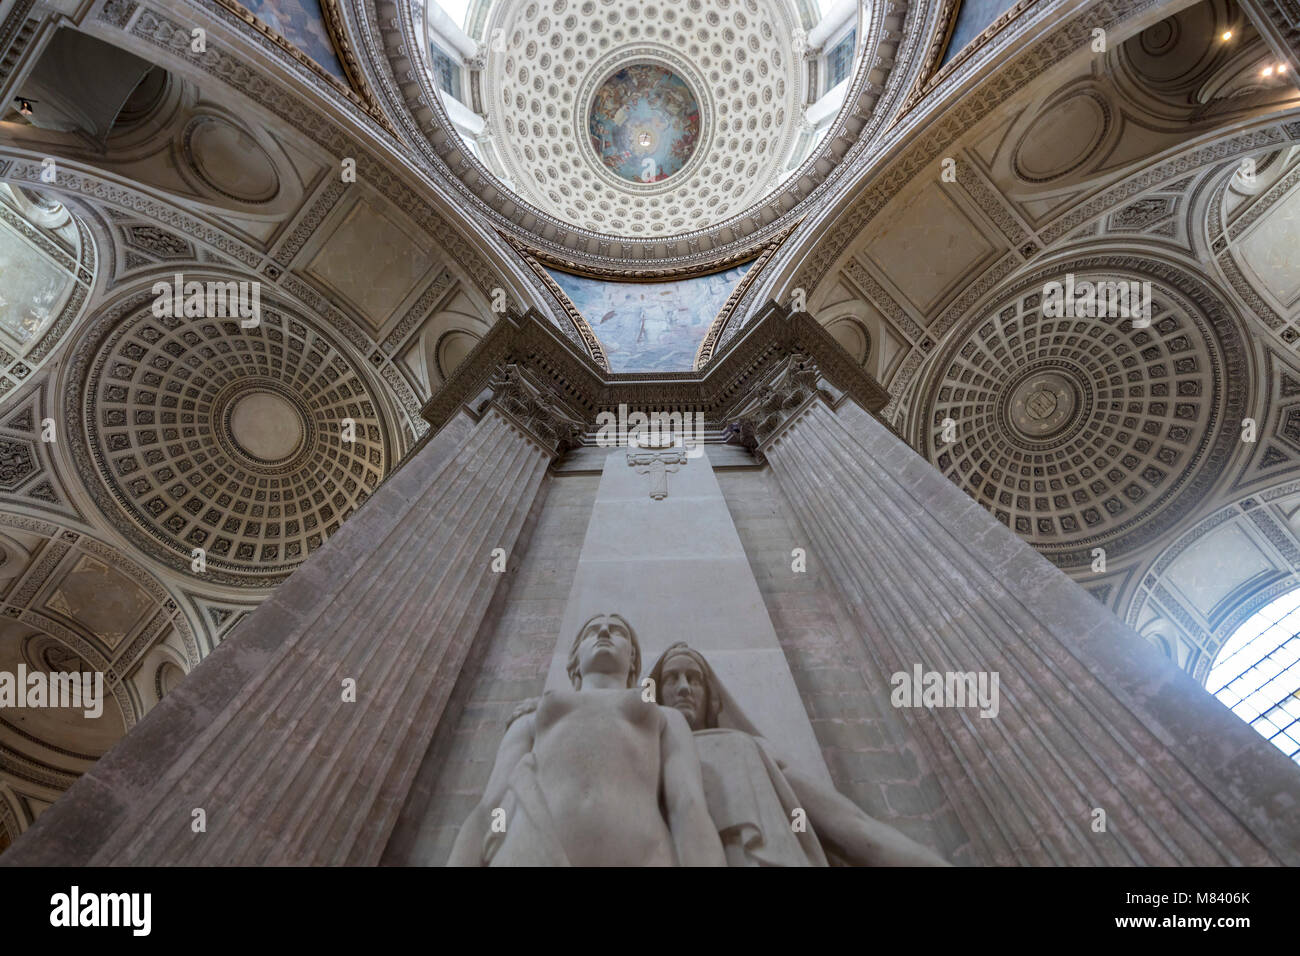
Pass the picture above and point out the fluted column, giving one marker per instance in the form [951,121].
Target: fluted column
[260,736]
[1091,717]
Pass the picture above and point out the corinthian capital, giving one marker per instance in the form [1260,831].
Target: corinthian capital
[772,402]
[526,401]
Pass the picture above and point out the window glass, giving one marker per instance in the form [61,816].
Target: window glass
[839,62]
[446,72]
[1256,673]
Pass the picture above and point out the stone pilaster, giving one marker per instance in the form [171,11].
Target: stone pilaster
[261,736]
[1091,717]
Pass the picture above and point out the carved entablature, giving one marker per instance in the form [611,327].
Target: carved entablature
[529,369]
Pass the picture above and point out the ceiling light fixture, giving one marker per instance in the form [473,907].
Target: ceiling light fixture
[1267,71]
[24,106]
[1227,35]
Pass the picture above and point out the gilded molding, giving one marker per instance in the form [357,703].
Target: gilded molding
[581,327]
[359,93]
[931,74]
[722,320]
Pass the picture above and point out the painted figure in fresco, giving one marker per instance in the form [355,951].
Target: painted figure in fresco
[651,326]
[644,123]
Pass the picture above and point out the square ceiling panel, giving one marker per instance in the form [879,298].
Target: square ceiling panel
[926,247]
[372,261]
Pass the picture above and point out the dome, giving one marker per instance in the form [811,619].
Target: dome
[638,119]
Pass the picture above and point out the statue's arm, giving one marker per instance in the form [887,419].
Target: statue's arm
[518,741]
[694,835]
[851,834]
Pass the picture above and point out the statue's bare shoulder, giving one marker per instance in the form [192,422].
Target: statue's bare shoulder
[675,723]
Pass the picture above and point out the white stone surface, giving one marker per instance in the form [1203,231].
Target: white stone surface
[266,425]
[676,570]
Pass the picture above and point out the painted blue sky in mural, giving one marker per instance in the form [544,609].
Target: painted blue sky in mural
[302,24]
[973,17]
[644,123]
[650,326]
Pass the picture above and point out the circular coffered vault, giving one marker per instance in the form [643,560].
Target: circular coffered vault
[198,433]
[1078,432]
[638,119]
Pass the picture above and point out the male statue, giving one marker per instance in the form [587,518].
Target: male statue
[595,776]
[755,799]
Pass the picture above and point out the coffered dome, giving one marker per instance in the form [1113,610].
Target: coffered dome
[1074,431]
[208,435]
[636,119]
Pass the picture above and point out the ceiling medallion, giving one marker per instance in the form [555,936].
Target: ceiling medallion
[644,123]
[262,423]
[1046,402]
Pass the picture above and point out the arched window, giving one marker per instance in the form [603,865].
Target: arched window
[1257,673]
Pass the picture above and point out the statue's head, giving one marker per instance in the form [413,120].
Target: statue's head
[684,680]
[605,645]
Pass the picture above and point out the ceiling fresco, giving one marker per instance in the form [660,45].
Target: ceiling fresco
[644,123]
[302,24]
[650,326]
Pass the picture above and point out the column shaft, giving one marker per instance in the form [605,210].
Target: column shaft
[1090,715]
[286,770]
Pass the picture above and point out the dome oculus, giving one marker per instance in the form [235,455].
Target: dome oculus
[644,123]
